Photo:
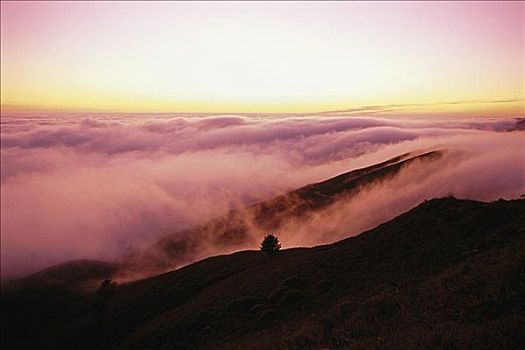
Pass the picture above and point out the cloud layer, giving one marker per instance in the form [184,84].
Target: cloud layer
[77,186]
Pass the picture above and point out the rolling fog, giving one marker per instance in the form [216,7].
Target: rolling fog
[98,186]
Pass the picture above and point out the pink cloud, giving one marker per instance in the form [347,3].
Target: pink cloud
[99,186]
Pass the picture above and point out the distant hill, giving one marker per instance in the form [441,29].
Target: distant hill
[230,231]
[76,274]
[520,125]
[447,274]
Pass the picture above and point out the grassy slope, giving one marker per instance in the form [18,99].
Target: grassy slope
[447,274]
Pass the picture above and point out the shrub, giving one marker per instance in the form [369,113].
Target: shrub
[270,244]
[107,287]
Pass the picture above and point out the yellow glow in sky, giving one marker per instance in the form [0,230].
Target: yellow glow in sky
[261,57]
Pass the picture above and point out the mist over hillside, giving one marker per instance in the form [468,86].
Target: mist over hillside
[99,186]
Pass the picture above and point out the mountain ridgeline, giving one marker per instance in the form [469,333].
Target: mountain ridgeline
[232,231]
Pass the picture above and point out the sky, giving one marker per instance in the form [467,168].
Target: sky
[421,58]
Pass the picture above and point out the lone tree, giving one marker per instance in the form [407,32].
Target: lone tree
[270,244]
[107,287]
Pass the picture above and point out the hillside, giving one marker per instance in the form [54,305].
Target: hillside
[447,274]
[237,228]
[76,274]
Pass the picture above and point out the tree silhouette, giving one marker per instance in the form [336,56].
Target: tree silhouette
[106,288]
[270,244]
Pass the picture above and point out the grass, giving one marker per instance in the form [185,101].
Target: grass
[448,274]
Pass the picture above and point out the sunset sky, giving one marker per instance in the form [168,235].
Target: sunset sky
[458,58]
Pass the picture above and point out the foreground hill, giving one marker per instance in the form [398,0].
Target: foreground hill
[448,274]
[245,227]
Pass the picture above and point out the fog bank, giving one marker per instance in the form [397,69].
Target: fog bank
[96,186]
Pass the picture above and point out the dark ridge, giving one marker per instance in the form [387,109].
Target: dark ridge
[231,231]
[448,274]
[520,125]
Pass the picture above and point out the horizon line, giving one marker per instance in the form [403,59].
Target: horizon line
[366,109]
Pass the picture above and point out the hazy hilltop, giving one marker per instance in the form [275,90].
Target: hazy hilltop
[247,226]
[447,274]
[238,228]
